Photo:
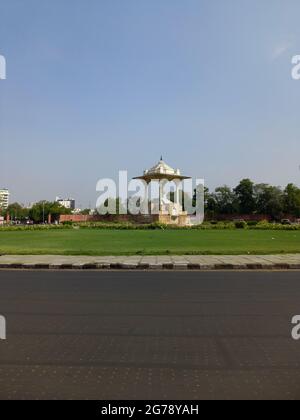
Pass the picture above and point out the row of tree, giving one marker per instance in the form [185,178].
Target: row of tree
[247,198]
[250,198]
[38,213]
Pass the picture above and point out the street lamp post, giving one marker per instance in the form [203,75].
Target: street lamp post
[43,212]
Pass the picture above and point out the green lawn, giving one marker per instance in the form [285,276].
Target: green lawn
[158,242]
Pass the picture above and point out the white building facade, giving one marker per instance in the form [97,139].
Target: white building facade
[68,203]
[4,198]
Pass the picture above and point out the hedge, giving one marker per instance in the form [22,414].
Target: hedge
[264,225]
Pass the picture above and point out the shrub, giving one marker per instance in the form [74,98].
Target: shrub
[34,228]
[157,226]
[252,223]
[265,225]
[241,225]
[68,223]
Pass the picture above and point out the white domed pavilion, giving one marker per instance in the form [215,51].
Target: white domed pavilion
[171,213]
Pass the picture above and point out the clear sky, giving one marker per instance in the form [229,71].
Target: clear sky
[101,85]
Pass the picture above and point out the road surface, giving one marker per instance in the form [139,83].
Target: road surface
[148,335]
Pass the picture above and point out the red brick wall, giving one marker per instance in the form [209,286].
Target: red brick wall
[79,218]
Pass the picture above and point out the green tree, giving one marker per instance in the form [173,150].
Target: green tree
[226,201]
[269,200]
[291,199]
[210,203]
[17,212]
[85,212]
[245,196]
[40,211]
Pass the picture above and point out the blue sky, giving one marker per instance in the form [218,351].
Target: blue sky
[101,85]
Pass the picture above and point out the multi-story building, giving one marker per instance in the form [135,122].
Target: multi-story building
[68,203]
[4,198]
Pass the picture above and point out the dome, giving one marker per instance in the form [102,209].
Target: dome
[162,171]
[162,168]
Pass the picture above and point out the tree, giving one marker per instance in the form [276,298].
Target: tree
[17,212]
[269,200]
[225,199]
[245,196]
[291,200]
[210,203]
[40,211]
[85,212]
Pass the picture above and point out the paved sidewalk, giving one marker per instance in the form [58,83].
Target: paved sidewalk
[196,262]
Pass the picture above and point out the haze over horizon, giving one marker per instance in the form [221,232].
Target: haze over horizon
[114,84]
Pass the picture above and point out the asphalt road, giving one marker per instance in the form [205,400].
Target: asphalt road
[145,335]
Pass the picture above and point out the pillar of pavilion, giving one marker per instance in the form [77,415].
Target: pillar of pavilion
[168,213]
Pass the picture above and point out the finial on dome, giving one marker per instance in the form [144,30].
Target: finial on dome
[161,158]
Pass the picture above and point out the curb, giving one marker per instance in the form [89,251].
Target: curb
[150,267]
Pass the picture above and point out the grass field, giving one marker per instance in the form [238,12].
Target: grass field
[140,242]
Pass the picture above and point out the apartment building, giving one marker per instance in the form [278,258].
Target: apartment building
[4,198]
